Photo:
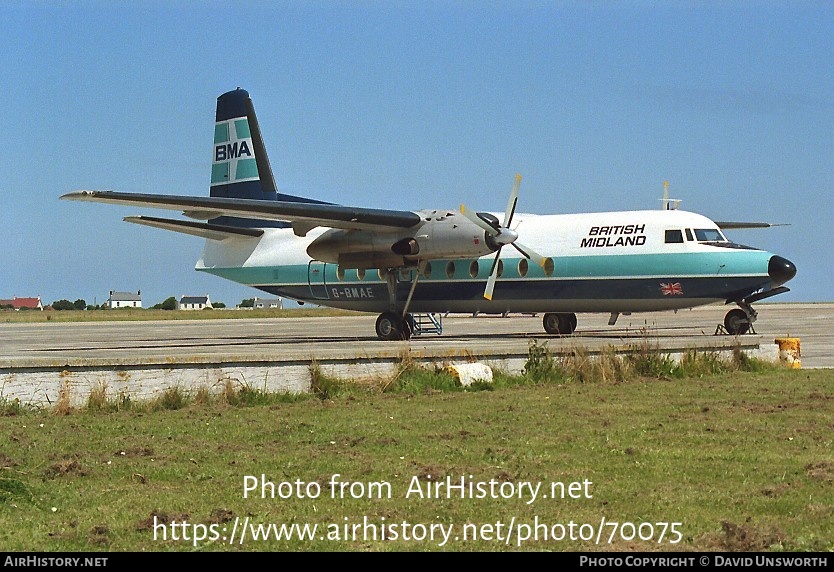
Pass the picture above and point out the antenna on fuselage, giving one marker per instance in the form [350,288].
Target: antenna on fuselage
[668,204]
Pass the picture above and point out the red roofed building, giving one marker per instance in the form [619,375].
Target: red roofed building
[22,303]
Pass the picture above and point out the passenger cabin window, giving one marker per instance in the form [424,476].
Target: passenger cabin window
[709,235]
[689,235]
[674,236]
[450,269]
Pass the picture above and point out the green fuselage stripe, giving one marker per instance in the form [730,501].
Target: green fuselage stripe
[696,264]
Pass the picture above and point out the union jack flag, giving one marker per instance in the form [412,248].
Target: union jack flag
[671,289]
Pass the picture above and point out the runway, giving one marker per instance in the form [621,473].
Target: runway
[84,352]
[51,344]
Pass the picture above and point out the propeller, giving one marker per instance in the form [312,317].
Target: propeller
[500,235]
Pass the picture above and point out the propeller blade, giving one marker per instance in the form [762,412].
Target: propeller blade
[471,215]
[527,252]
[512,202]
[489,287]
[521,250]
[493,273]
[495,262]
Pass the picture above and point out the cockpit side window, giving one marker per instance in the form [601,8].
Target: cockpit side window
[689,235]
[674,236]
[709,235]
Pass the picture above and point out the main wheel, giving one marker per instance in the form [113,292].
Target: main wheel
[737,322]
[559,324]
[572,322]
[390,326]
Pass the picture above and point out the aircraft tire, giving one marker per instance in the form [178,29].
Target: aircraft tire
[736,322]
[390,326]
[559,324]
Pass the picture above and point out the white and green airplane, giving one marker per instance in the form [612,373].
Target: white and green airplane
[453,260]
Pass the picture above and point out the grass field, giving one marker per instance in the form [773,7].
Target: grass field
[736,460]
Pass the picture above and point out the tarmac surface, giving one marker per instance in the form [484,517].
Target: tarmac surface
[44,345]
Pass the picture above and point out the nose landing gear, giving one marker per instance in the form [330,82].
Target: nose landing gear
[739,321]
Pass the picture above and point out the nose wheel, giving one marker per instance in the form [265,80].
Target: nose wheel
[737,322]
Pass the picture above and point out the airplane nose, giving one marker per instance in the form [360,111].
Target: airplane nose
[780,269]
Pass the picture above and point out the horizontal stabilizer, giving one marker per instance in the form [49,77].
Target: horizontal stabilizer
[732,225]
[201,229]
[310,214]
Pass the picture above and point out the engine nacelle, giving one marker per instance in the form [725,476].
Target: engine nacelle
[442,235]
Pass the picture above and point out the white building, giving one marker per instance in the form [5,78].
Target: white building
[194,302]
[124,300]
[268,303]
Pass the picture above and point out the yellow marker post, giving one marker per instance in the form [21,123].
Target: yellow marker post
[789,352]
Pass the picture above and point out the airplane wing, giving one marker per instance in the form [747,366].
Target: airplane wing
[732,225]
[303,216]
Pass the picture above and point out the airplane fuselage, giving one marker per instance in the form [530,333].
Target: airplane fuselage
[628,261]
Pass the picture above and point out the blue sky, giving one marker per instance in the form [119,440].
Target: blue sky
[410,105]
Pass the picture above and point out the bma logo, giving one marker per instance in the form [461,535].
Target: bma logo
[229,151]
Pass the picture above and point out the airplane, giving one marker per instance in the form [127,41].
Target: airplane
[398,263]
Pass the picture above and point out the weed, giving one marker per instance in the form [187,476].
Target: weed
[124,402]
[648,361]
[171,399]
[62,406]
[97,400]
[415,379]
[540,365]
[11,407]
[744,362]
[250,397]
[322,385]
[615,367]
[480,386]
[203,396]
[698,363]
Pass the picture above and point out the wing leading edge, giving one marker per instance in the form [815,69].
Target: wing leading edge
[303,216]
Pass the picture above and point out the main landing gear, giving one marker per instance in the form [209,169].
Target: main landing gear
[559,324]
[392,326]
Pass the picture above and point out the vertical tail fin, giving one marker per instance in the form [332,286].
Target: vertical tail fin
[240,167]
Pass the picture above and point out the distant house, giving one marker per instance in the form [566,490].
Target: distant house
[124,300]
[194,303]
[269,303]
[22,303]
